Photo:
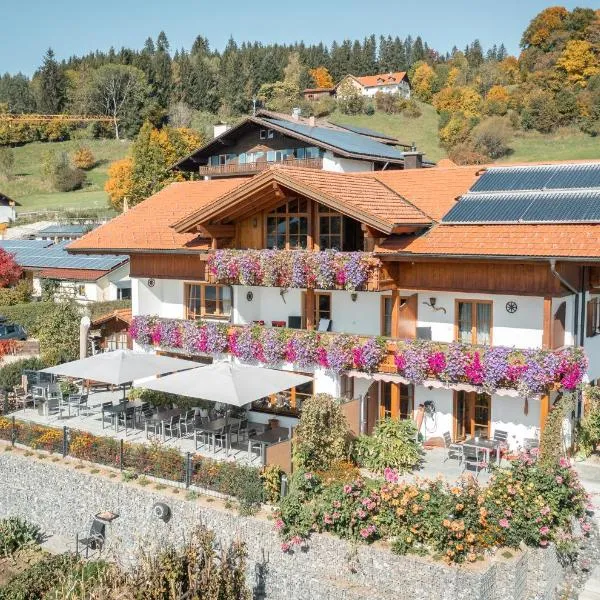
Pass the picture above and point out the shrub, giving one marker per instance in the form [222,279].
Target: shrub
[350,101]
[392,445]
[463,154]
[551,440]
[10,373]
[492,137]
[59,333]
[83,158]
[18,294]
[15,533]
[412,110]
[322,435]
[323,106]
[390,103]
[61,175]
[7,163]
[588,431]
[271,478]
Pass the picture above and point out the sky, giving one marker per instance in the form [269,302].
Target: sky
[80,26]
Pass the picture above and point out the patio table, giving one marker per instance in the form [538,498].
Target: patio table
[159,419]
[213,427]
[267,438]
[117,409]
[488,446]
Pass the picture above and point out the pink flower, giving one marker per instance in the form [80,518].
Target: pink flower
[279,524]
[543,542]
[285,547]
[545,510]
[508,512]
[390,475]
[308,475]
[347,489]
[586,527]
[559,480]
[534,451]
[564,462]
[296,540]
[511,490]
[544,530]
[361,514]
[504,523]
[327,519]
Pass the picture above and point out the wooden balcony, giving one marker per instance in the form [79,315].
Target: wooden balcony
[233,169]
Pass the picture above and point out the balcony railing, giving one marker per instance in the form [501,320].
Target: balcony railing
[304,269]
[487,369]
[256,167]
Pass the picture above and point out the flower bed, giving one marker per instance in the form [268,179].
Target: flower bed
[456,522]
[328,270]
[155,460]
[528,371]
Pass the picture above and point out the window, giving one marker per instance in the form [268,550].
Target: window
[474,322]
[396,400]
[286,403]
[81,290]
[472,415]
[387,305]
[287,226]
[330,229]
[124,293]
[117,341]
[203,300]
[322,307]
[270,134]
[593,317]
[263,134]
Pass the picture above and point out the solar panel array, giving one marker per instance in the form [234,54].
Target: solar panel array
[45,255]
[366,131]
[542,177]
[344,140]
[540,194]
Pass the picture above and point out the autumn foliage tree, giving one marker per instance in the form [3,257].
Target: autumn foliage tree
[10,271]
[147,170]
[321,77]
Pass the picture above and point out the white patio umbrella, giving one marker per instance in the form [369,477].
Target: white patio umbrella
[227,383]
[120,366]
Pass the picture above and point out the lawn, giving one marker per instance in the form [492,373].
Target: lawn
[422,131]
[34,193]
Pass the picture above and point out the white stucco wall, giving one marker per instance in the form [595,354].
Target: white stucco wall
[398,88]
[344,165]
[362,316]
[165,299]
[267,304]
[523,328]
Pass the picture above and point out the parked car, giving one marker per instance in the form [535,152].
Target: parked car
[12,331]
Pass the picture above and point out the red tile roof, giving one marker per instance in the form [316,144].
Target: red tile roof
[433,191]
[147,226]
[565,240]
[72,274]
[388,78]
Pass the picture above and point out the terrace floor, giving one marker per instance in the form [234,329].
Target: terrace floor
[434,463]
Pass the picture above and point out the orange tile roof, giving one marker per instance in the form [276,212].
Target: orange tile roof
[147,226]
[122,314]
[360,195]
[372,80]
[433,191]
[73,274]
[564,240]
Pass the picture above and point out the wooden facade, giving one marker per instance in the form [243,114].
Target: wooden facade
[169,266]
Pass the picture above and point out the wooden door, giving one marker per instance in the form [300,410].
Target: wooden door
[396,400]
[472,415]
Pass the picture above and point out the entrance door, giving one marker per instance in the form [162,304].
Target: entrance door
[396,400]
[472,415]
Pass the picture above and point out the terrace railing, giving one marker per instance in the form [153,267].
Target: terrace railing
[233,169]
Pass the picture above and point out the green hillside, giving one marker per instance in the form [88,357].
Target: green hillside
[564,144]
[422,131]
[29,188]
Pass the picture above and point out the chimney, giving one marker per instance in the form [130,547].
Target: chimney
[413,159]
[220,129]
[296,113]
[312,122]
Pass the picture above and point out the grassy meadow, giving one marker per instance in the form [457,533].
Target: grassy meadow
[33,192]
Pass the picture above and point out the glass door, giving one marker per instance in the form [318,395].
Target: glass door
[472,415]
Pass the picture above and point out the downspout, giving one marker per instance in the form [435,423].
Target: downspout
[573,291]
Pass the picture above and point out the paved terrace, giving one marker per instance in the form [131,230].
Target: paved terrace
[91,421]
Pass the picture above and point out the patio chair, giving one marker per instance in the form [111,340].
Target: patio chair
[141,409]
[104,406]
[173,426]
[188,422]
[501,437]
[94,540]
[530,443]
[222,438]
[128,417]
[452,450]
[240,431]
[474,457]
[22,398]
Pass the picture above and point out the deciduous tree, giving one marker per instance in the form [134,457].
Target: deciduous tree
[321,77]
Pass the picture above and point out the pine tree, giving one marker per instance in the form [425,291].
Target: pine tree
[53,86]
[502,53]
[162,43]
[418,50]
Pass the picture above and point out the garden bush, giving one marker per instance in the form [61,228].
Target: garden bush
[393,444]
[83,158]
[322,436]
[457,522]
[10,373]
[15,534]
[16,294]
[588,429]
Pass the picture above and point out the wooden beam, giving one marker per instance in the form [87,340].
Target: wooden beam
[210,230]
[544,410]
[395,313]
[310,309]
[547,324]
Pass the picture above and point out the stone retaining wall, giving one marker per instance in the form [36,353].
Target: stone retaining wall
[61,500]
